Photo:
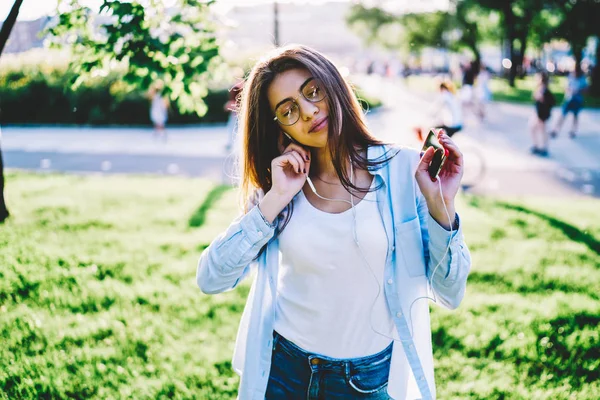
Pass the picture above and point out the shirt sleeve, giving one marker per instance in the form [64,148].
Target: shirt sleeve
[447,257]
[227,260]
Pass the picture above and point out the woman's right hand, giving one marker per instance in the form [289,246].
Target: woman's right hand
[288,174]
[289,171]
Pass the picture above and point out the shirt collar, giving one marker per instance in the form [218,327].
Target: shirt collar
[379,152]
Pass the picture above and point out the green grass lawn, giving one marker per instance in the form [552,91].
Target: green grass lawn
[98,296]
[502,91]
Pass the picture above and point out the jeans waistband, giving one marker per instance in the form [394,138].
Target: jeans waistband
[325,362]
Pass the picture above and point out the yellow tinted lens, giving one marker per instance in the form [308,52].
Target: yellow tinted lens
[287,113]
[313,91]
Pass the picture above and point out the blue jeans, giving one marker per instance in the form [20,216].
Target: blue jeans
[297,374]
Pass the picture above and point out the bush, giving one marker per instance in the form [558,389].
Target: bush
[38,91]
[43,96]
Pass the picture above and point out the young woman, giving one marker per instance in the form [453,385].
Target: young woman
[348,236]
[447,109]
[573,103]
[544,101]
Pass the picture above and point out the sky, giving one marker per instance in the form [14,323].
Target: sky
[33,9]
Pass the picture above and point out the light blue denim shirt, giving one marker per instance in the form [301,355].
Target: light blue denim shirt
[416,244]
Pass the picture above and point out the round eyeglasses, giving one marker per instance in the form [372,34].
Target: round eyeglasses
[288,112]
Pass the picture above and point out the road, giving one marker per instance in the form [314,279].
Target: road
[501,141]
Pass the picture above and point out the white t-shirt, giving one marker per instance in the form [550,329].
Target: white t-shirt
[328,301]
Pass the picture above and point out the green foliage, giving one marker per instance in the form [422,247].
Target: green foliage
[175,45]
[579,21]
[523,90]
[98,299]
[35,89]
[32,91]
[368,21]
[466,26]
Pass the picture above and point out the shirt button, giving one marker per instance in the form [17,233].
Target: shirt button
[390,281]
[393,248]
[398,314]
[259,233]
[410,346]
[422,378]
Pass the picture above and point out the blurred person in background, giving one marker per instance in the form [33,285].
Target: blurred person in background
[468,80]
[330,313]
[576,86]
[445,113]
[483,94]
[544,101]
[159,106]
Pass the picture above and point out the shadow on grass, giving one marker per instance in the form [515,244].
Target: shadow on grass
[527,284]
[566,347]
[213,196]
[570,231]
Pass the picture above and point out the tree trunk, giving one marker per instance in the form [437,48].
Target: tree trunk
[595,88]
[9,23]
[3,210]
[577,54]
[523,48]
[4,34]
[475,49]
[509,20]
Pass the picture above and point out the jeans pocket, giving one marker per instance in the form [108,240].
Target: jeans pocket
[369,381]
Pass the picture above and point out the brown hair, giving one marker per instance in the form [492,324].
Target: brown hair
[348,135]
[448,85]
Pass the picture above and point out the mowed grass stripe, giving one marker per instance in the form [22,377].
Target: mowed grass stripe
[98,296]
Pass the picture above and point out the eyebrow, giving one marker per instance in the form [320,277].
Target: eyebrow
[300,90]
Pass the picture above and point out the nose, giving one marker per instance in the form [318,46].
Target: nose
[307,109]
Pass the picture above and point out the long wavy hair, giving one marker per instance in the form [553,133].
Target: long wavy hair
[348,137]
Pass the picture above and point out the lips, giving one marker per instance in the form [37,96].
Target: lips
[318,125]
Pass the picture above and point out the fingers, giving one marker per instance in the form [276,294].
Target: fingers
[426,159]
[305,154]
[288,159]
[299,160]
[452,150]
[294,159]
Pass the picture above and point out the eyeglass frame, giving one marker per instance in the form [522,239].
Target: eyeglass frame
[295,101]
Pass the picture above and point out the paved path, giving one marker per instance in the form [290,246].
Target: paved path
[502,141]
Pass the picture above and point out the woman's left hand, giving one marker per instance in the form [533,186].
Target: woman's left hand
[450,176]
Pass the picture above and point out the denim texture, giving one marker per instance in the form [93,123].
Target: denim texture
[298,374]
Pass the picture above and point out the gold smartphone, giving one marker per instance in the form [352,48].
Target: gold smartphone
[437,162]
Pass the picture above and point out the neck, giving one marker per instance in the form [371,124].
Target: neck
[322,165]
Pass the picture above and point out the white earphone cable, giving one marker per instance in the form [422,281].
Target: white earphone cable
[355,236]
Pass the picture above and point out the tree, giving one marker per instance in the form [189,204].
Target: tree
[4,34]
[579,22]
[368,22]
[518,17]
[574,21]
[176,45]
[464,26]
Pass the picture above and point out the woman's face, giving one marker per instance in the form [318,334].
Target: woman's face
[294,94]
